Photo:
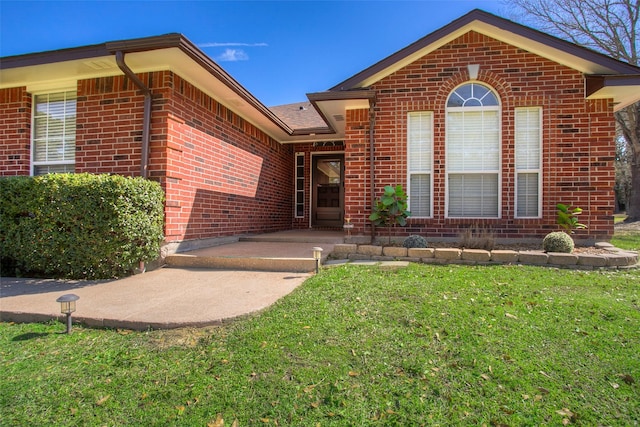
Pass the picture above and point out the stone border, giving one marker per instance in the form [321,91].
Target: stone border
[614,258]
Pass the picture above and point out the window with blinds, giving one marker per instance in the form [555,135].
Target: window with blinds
[528,144]
[419,161]
[473,152]
[54,133]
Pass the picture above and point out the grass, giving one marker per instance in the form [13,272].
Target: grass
[629,240]
[617,218]
[355,346]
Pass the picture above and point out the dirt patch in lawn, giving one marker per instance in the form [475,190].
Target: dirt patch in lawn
[628,227]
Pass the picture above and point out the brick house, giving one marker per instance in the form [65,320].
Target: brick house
[486,123]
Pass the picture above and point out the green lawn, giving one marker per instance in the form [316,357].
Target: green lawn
[355,346]
[626,240]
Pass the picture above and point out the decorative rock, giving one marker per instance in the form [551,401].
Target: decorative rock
[604,245]
[372,255]
[504,256]
[393,251]
[592,260]
[620,259]
[370,250]
[477,255]
[447,253]
[534,258]
[345,248]
[558,258]
[421,252]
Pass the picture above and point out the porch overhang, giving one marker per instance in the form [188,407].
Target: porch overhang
[332,106]
[623,89]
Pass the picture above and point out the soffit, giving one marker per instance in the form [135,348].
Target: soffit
[624,90]
[334,110]
[63,74]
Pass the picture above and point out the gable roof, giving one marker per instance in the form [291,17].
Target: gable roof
[625,90]
[563,52]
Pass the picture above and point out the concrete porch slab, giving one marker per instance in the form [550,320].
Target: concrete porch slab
[285,251]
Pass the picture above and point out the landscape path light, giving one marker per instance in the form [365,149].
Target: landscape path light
[68,306]
[317,254]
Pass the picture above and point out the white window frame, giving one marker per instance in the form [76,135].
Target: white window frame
[428,170]
[538,170]
[497,172]
[298,185]
[35,139]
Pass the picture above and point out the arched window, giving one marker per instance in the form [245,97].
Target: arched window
[473,152]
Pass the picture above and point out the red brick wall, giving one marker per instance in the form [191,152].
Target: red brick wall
[109,125]
[578,138]
[15,131]
[222,176]
[357,170]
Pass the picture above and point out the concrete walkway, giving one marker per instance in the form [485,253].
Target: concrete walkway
[173,297]
[161,299]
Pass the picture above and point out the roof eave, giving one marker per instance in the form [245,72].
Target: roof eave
[624,90]
[167,41]
[204,61]
[332,105]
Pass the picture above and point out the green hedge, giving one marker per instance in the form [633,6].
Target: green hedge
[79,226]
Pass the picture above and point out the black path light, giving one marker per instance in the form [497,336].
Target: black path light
[68,306]
[317,254]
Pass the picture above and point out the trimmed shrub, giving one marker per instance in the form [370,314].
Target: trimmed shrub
[558,241]
[415,241]
[79,226]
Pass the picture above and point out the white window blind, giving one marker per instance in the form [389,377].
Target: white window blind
[528,146]
[54,133]
[473,141]
[419,161]
[473,195]
[473,152]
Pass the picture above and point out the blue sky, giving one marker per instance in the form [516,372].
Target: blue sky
[278,50]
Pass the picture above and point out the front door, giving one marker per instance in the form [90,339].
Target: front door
[328,190]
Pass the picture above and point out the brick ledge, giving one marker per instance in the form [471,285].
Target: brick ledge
[615,258]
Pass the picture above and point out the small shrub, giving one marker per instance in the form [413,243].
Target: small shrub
[477,238]
[79,226]
[558,241]
[391,209]
[415,241]
[568,218]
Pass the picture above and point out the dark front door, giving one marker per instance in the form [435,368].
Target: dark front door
[328,190]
